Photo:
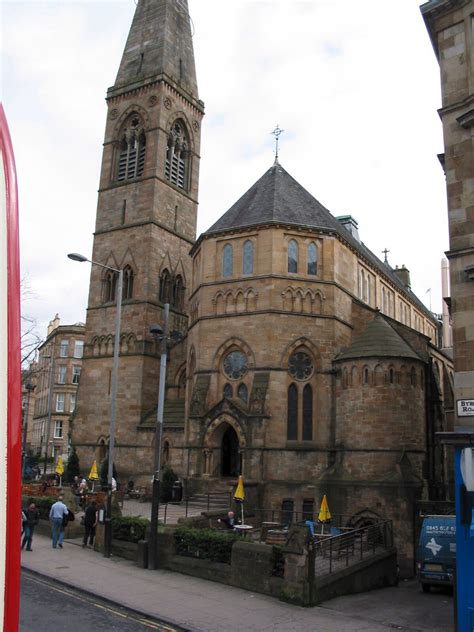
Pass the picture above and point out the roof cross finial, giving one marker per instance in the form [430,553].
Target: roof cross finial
[276,132]
[385,252]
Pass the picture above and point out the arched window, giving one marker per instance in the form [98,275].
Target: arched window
[312,258]
[228,391]
[110,286]
[292,418]
[131,160]
[102,450]
[292,256]
[287,509]
[177,156]
[307,413]
[247,263]
[178,293]
[391,377]
[384,301]
[413,376]
[227,261]
[165,286]
[166,452]
[243,393]
[365,376]
[127,290]
[362,286]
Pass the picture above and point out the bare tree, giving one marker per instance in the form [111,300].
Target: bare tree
[30,339]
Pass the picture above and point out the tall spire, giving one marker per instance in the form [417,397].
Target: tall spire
[159,45]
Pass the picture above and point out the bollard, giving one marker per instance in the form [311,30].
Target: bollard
[142,553]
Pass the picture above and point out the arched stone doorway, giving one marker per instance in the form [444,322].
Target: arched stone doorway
[223,445]
[230,456]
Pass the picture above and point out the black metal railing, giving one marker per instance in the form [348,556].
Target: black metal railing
[342,547]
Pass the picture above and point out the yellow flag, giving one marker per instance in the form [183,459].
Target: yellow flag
[60,466]
[93,475]
[324,513]
[239,495]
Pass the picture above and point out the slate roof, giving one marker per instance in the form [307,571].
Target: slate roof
[173,414]
[277,198]
[379,340]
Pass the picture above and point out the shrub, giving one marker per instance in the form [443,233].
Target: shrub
[43,504]
[72,467]
[167,479]
[278,562]
[130,528]
[104,470]
[205,544]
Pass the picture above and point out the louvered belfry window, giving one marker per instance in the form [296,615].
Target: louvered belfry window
[177,156]
[131,161]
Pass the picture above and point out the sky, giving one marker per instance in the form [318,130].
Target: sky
[354,85]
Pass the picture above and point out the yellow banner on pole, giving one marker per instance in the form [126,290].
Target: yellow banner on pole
[93,475]
[239,495]
[324,513]
[60,466]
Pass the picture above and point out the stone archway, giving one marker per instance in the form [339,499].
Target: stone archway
[223,448]
[230,454]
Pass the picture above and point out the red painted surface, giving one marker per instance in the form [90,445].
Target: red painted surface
[12,540]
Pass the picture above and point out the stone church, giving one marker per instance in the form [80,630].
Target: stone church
[307,364]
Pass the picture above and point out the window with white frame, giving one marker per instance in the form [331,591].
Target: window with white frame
[58,429]
[64,348]
[76,374]
[72,402]
[62,374]
[60,402]
[78,348]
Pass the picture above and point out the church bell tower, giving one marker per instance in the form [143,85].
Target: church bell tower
[145,225]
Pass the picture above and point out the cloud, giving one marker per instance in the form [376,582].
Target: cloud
[357,101]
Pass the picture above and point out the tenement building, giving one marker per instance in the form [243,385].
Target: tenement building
[450,26]
[308,364]
[56,376]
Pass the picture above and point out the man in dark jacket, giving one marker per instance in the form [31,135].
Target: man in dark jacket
[29,524]
[90,523]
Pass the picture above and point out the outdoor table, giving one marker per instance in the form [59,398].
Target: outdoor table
[243,529]
[265,528]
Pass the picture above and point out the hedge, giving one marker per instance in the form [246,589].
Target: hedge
[43,504]
[205,543]
[129,528]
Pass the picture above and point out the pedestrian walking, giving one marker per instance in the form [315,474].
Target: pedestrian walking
[56,515]
[31,520]
[91,516]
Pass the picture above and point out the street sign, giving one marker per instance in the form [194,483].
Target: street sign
[465,407]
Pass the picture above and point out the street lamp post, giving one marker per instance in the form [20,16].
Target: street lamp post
[30,388]
[50,406]
[155,498]
[113,399]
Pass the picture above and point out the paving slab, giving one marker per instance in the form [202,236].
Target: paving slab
[199,604]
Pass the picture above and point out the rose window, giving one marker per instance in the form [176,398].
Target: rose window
[300,366]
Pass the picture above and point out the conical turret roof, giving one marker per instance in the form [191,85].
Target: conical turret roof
[276,198]
[379,340]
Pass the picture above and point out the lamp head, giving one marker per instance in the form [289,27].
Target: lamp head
[77,257]
[156,330]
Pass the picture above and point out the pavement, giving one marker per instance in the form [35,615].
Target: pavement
[202,606]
